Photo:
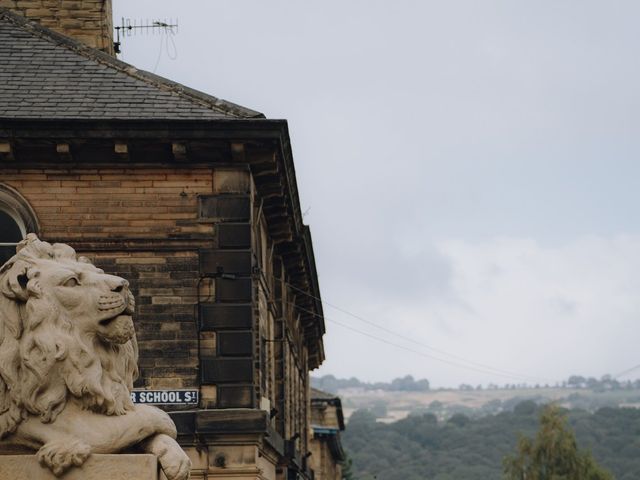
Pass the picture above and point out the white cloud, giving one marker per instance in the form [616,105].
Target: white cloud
[542,310]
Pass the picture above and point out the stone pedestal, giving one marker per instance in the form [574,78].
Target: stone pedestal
[97,467]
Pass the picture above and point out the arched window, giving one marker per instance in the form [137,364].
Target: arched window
[16,220]
[10,235]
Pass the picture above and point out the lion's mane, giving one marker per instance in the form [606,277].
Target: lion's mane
[43,359]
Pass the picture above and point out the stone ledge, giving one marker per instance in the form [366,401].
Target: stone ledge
[97,467]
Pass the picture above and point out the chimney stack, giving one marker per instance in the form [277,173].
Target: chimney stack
[87,21]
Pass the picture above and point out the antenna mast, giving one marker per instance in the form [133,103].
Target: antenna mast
[128,28]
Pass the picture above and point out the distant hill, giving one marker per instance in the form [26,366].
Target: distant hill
[331,384]
[405,396]
[421,447]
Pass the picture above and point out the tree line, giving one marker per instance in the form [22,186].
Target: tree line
[331,384]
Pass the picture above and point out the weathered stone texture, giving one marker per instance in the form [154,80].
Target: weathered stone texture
[88,21]
[323,463]
[150,208]
[165,287]
[115,203]
[97,467]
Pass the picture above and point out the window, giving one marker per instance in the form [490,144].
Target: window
[16,220]
[10,235]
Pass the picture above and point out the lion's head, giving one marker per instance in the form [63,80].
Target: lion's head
[66,334]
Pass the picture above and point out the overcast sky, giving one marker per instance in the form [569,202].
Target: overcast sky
[469,170]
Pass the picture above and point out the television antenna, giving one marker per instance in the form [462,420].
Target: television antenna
[128,28]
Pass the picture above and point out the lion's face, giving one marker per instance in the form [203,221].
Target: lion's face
[94,302]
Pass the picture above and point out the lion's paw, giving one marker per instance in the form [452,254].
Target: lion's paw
[59,455]
[158,420]
[174,462]
[176,465]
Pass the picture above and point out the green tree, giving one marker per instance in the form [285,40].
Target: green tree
[347,469]
[553,454]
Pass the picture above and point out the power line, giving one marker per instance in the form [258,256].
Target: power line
[422,354]
[421,344]
[629,370]
[485,371]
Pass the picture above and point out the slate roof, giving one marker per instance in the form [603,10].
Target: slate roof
[44,74]
[320,395]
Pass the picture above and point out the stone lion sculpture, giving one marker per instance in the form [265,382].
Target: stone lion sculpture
[68,359]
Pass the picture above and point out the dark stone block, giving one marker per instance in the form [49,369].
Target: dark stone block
[275,440]
[229,208]
[216,316]
[235,344]
[231,421]
[225,261]
[233,290]
[234,235]
[235,396]
[185,422]
[238,370]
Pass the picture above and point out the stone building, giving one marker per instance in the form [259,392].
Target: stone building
[327,421]
[192,199]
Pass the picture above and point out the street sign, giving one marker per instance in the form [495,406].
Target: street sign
[165,397]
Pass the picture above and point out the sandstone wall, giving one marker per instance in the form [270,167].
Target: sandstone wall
[88,21]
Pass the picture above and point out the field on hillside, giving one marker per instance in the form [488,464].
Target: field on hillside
[390,406]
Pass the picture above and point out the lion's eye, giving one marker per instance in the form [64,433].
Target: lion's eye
[72,282]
